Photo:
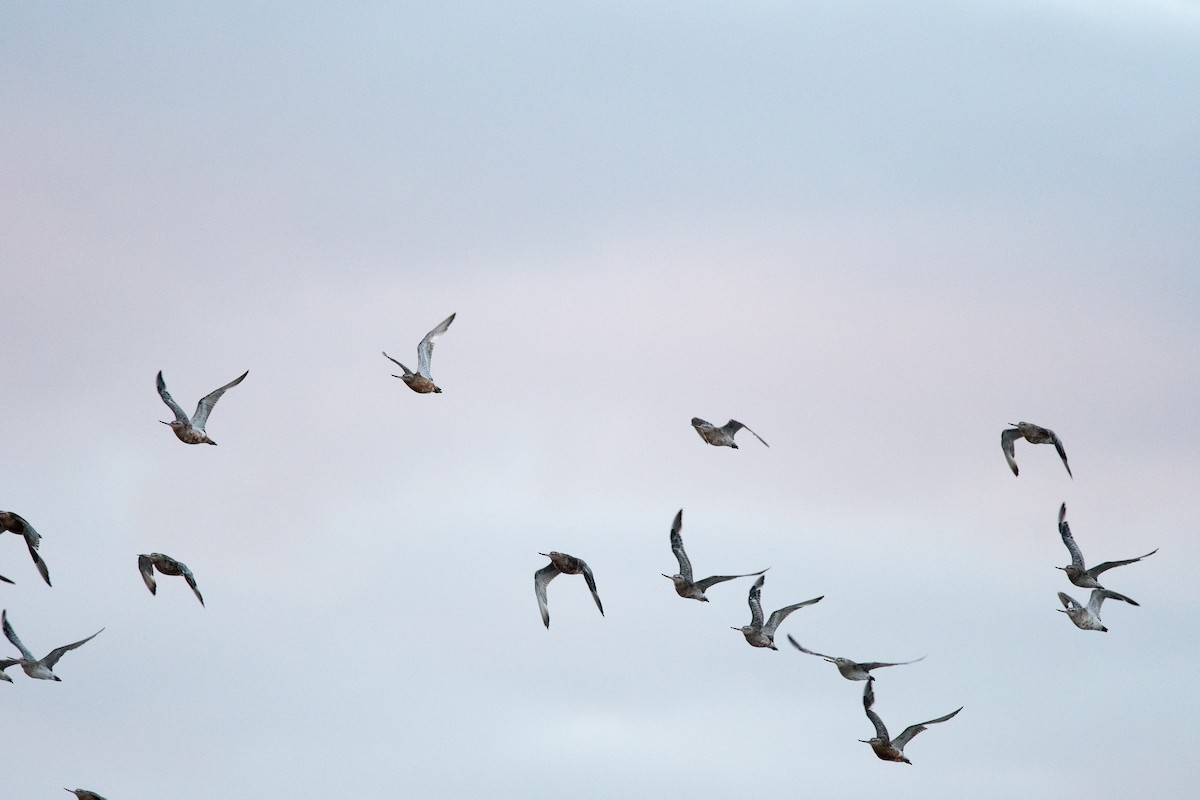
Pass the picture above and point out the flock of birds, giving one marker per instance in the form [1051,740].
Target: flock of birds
[760,632]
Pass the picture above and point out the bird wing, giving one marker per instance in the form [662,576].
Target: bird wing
[1007,437]
[733,426]
[12,636]
[146,567]
[1061,452]
[541,579]
[407,371]
[171,404]
[1107,565]
[1108,593]
[205,406]
[191,580]
[685,565]
[425,348]
[37,561]
[50,660]
[4,579]
[802,649]
[913,730]
[781,614]
[867,666]
[868,701]
[1068,601]
[15,523]
[1097,599]
[1064,530]
[713,580]
[756,614]
[591,582]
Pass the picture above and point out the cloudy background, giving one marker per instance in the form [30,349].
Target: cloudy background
[876,233]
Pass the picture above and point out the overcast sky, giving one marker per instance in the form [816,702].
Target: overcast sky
[876,233]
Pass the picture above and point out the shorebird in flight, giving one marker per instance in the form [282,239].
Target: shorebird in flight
[421,381]
[853,670]
[167,566]
[42,668]
[1087,617]
[561,564]
[684,585]
[1077,573]
[84,794]
[191,431]
[758,634]
[722,436]
[15,523]
[892,749]
[1034,435]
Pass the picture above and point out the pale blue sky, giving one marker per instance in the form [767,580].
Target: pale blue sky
[875,233]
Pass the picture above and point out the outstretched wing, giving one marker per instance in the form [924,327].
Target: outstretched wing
[733,426]
[12,636]
[171,404]
[802,649]
[146,567]
[37,562]
[407,371]
[713,580]
[1107,565]
[1110,594]
[782,614]
[205,406]
[868,701]
[756,615]
[4,579]
[591,582]
[1068,601]
[425,348]
[541,579]
[191,580]
[1007,437]
[1064,530]
[867,666]
[685,566]
[57,653]
[913,730]
[1061,453]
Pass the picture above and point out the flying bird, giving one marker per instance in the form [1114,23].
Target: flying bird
[42,669]
[853,670]
[758,634]
[1087,617]
[892,749]
[684,585]
[191,431]
[84,794]
[167,566]
[15,523]
[722,436]
[421,381]
[1034,435]
[1087,578]
[561,563]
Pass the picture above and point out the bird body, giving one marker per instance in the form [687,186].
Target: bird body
[561,564]
[1077,573]
[722,436]
[684,584]
[853,670]
[763,635]
[1034,434]
[167,566]
[15,523]
[1087,617]
[84,794]
[886,748]
[191,431]
[42,668]
[421,381]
